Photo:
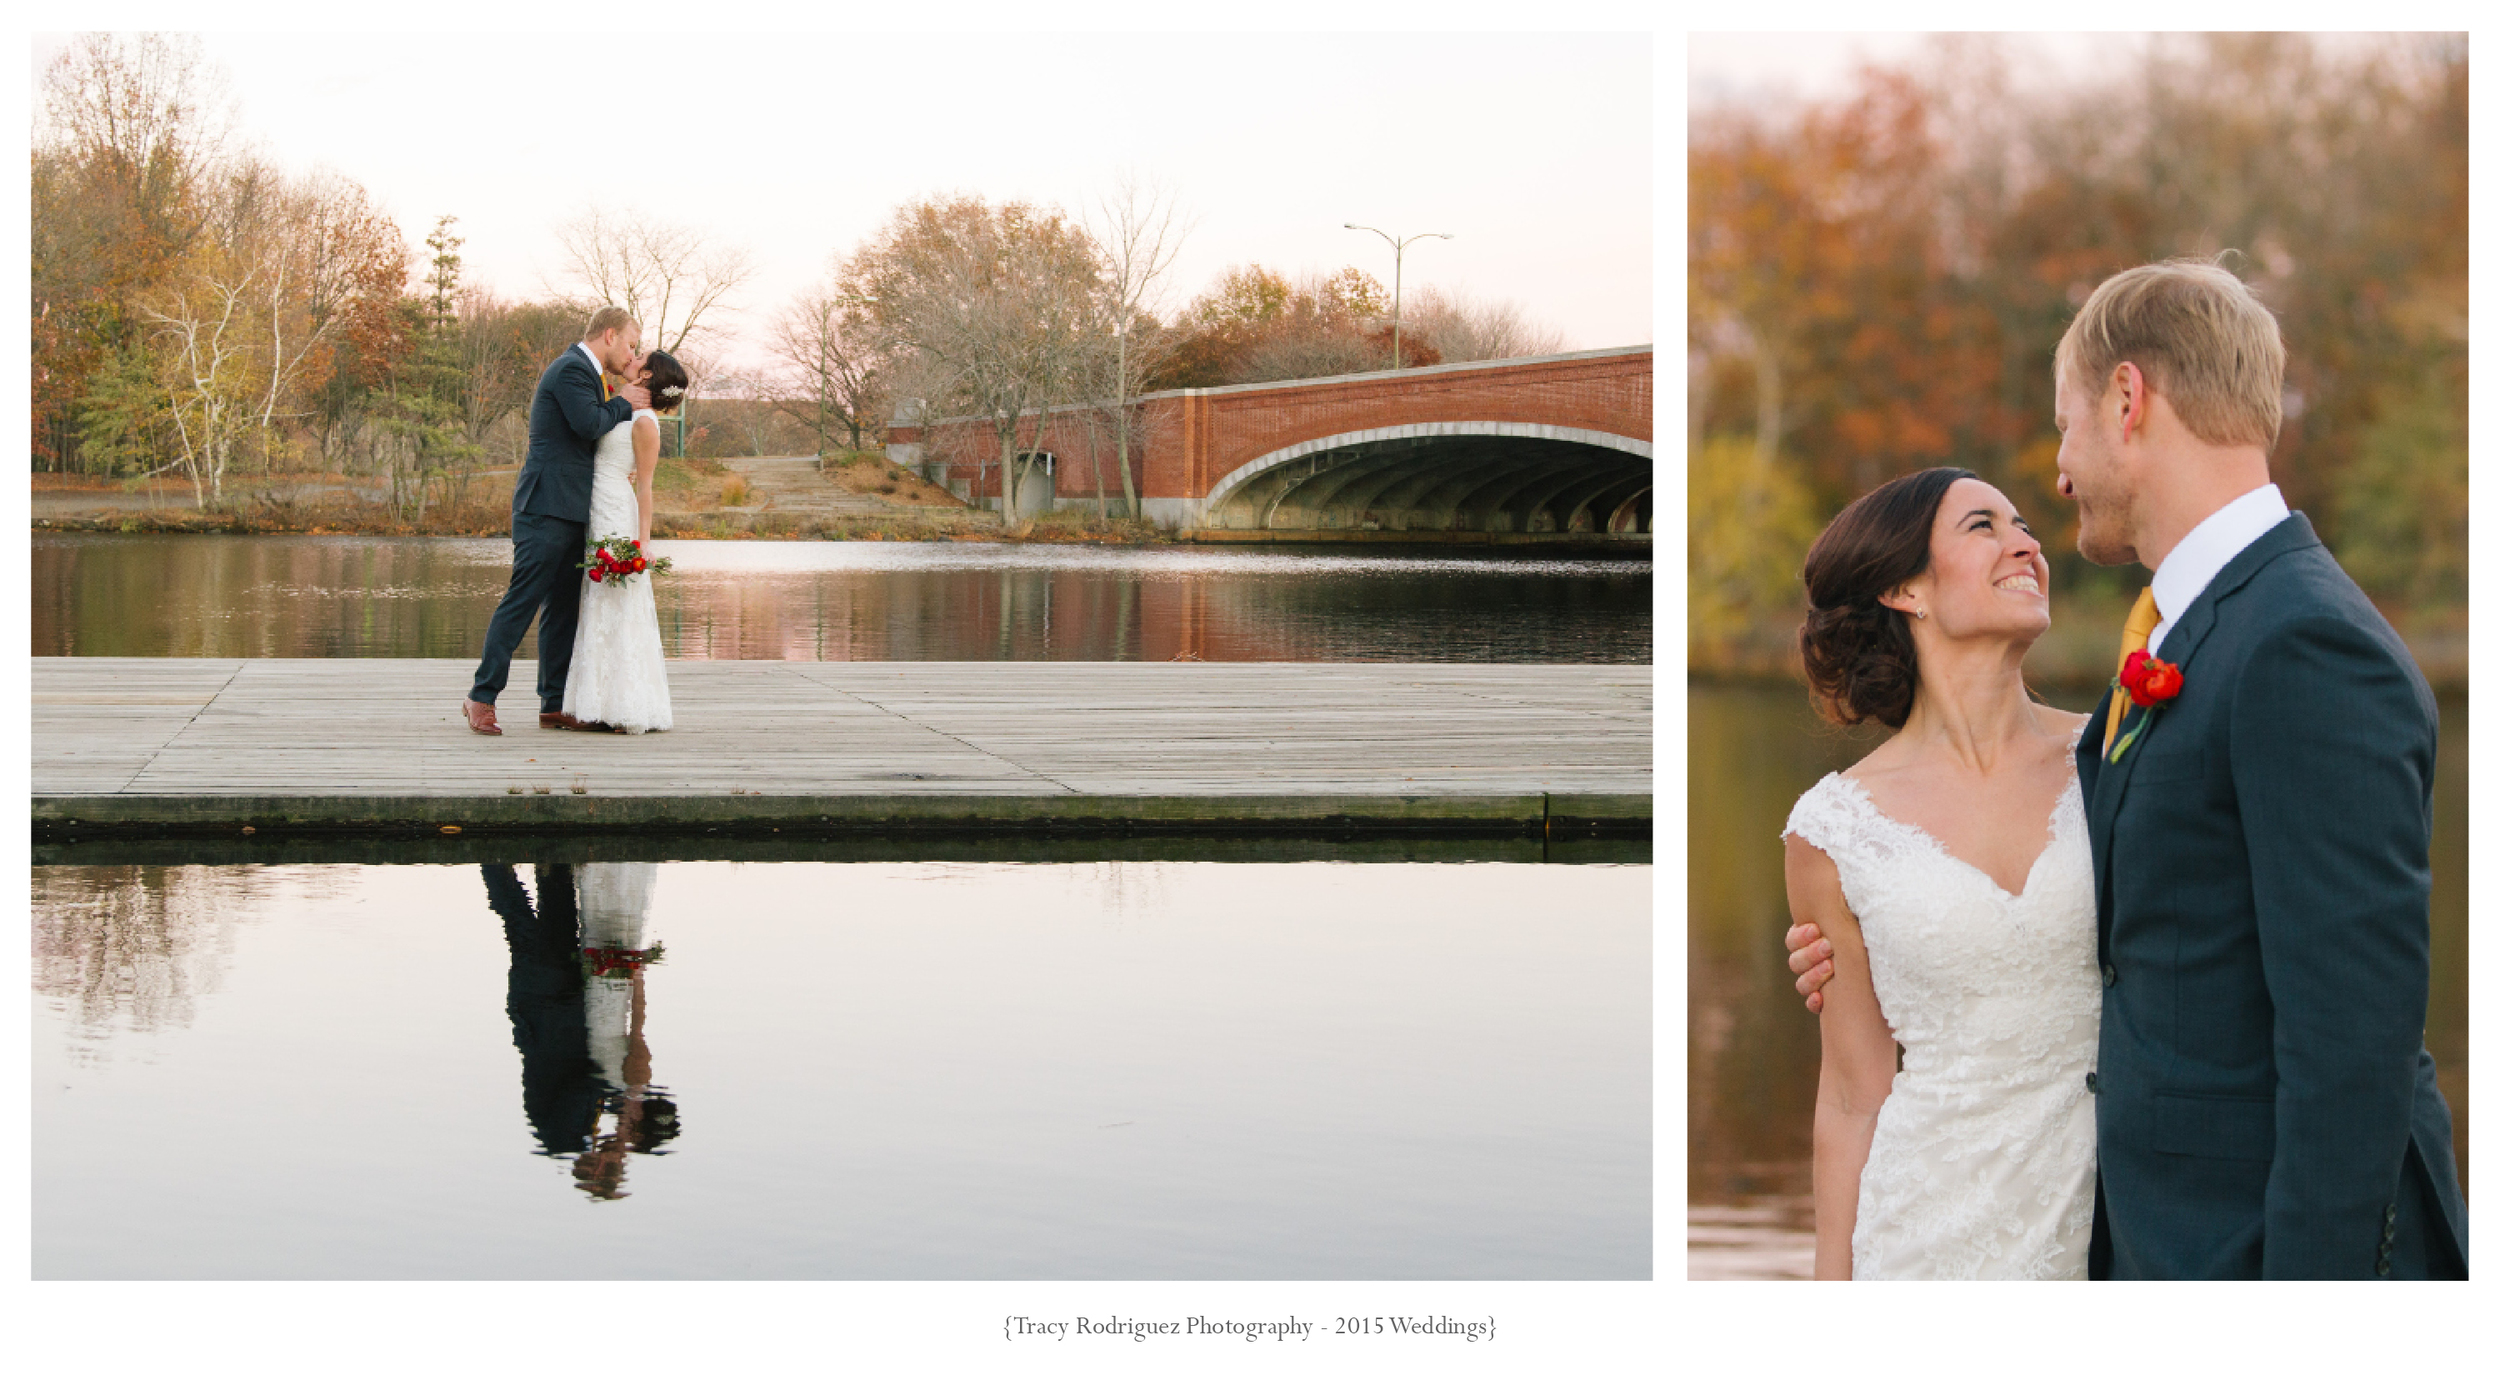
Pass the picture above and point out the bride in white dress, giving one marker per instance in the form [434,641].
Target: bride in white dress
[1951,879]
[619,676]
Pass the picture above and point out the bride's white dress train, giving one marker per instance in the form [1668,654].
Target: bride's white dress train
[619,674]
[1982,1163]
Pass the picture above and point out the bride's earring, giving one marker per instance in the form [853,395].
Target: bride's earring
[1922,613]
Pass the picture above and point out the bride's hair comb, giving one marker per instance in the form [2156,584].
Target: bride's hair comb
[673,391]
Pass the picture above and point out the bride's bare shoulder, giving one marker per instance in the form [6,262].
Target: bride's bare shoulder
[1889,757]
[2065,725]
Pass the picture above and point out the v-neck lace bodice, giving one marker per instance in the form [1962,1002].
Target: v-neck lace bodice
[1982,1160]
[2068,811]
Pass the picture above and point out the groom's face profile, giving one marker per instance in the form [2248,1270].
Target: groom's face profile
[618,348]
[2092,471]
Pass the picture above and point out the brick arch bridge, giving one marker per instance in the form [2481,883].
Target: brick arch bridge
[1556,446]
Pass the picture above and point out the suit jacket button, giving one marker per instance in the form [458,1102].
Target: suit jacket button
[2109,975]
[2092,1082]
[2383,1268]
[2391,1214]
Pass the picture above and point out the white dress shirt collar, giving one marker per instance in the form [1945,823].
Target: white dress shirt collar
[2216,540]
[595,365]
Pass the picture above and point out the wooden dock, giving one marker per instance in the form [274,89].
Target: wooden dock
[285,745]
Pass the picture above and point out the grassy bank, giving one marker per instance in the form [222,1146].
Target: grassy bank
[698,498]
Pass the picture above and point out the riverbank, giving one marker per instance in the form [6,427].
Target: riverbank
[856,496]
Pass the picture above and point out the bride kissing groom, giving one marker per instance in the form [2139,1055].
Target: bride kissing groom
[588,477]
[2182,1037]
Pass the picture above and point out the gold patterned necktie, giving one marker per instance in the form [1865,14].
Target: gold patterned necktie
[2138,634]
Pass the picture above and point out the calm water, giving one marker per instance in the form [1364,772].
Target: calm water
[1752,1052]
[292,596]
[904,1070]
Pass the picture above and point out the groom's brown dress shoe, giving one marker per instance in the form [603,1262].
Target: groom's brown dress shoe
[565,720]
[480,716]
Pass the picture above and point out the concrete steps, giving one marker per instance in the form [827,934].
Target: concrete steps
[793,486]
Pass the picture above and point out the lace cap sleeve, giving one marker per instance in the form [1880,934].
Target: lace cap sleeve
[1823,817]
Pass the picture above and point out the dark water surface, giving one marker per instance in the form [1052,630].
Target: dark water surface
[1752,1051]
[303,596]
[1139,1070]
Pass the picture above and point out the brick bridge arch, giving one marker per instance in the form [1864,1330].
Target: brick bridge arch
[1494,476]
[1553,445]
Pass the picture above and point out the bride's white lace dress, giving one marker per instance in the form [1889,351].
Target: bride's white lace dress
[615,904]
[619,675]
[1982,1163]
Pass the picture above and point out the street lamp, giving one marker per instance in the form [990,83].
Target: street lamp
[1397,300]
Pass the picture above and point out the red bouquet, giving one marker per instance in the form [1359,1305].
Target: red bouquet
[617,558]
[601,962]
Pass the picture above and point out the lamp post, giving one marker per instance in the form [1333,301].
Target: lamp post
[1397,299]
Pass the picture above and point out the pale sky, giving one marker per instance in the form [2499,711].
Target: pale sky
[1536,151]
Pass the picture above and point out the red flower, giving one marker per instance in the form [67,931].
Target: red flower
[594,575]
[2149,681]
[639,565]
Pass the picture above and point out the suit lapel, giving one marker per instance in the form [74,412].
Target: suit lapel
[2089,775]
[2106,789]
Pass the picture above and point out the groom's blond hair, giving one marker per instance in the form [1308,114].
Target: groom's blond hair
[2202,340]
[606,318]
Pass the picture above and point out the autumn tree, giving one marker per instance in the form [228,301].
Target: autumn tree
[1255,325]
[993,304]
[1877,283]
[127,127]
[1462,329]
[503,346]
[828,377]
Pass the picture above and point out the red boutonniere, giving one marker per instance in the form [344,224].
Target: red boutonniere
[2150,684]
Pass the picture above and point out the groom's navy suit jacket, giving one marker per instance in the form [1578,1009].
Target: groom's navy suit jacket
[2261,855]
[567,419]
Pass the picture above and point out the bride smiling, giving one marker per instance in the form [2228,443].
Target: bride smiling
[1949,875]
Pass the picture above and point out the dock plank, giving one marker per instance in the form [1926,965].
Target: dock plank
[199,742]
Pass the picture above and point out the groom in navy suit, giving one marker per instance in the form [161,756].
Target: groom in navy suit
[2260,811]
[551,517]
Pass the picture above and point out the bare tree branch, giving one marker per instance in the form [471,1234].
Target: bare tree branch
[669,276]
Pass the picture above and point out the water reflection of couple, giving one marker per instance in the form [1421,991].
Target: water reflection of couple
[576,998]
[2139,995]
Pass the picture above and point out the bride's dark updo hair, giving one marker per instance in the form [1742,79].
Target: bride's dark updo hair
[666,372]
[1860,662]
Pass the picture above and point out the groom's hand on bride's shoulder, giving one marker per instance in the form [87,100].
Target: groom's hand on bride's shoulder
[635,394]
[1810,959]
